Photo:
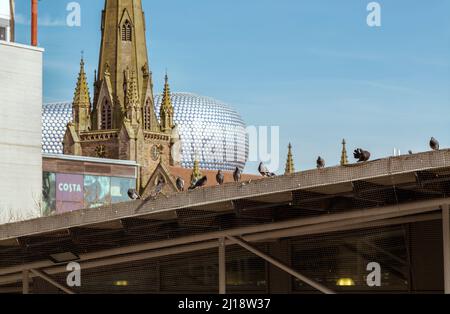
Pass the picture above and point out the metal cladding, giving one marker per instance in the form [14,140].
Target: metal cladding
[211,131]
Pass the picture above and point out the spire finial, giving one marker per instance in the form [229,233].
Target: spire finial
[196,173]
[290,168]
[167,111]
[344,158]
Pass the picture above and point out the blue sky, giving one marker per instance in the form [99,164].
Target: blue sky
[312,67]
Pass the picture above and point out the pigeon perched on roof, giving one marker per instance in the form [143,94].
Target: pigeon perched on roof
[133,194]
[220,177]
[410,152]
[199,183]
[361,155]
[180,184]
[237,175]
[320,163]
[434,144]
[159,188]
[264,171]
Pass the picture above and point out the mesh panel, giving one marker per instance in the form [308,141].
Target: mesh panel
[409,252]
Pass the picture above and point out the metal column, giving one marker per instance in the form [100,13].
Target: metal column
[222,267]
[446,249]
[25,282]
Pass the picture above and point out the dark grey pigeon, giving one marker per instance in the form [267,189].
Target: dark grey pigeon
[133,194]
[180,184]
[264,171]
[199,183]
[434,144]
[320,163]
[410,152]
[237,175]
[361,155]
[159,188]
[220,177]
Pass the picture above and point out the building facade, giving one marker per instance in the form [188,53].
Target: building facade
[20,131]
[7,20]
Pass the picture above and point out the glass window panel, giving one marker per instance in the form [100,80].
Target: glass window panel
[97,191]
[245,271]
[2,33]
[340,261]
[48,193]
[120,187]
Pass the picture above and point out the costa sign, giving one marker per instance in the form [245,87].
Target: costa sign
[69,192]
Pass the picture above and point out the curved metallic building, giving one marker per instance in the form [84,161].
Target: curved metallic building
[210,131]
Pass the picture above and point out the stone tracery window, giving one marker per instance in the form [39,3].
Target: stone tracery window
[126,31]
[147,115]
[106,116]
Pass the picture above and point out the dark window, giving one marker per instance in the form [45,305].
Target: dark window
[340,261]
[2,33]
[106,122]
[147,115]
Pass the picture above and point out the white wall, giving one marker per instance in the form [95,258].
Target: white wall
[5,11]
[20,131]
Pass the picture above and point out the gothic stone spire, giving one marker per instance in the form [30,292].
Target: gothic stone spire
[123,46]
[344,158]
[290,168]
[81,102]
[166,112]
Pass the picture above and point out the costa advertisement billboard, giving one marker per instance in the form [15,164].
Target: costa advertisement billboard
[69,192]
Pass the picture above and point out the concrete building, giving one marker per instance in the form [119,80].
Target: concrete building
[20,131]
[6,20]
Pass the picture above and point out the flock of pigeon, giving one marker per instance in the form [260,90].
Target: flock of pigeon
[359,154]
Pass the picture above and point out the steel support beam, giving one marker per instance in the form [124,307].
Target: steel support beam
[307,230]
[222,267]
[25,282]
[446,249]
[51,281]
[281,265]
[371,214]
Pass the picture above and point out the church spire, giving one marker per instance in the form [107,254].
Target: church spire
[81,101]
[344,158]
[123,48]
[166,112]
[290,168]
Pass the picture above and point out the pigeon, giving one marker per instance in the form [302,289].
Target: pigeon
[159,188]
[320,163]
[434,144]
[410,152]
[237,175]
[361,155]
[199,183]
[133,194]
[180,184]
[264,171]
[220,177]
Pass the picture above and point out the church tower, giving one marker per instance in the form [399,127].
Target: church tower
[122,123]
